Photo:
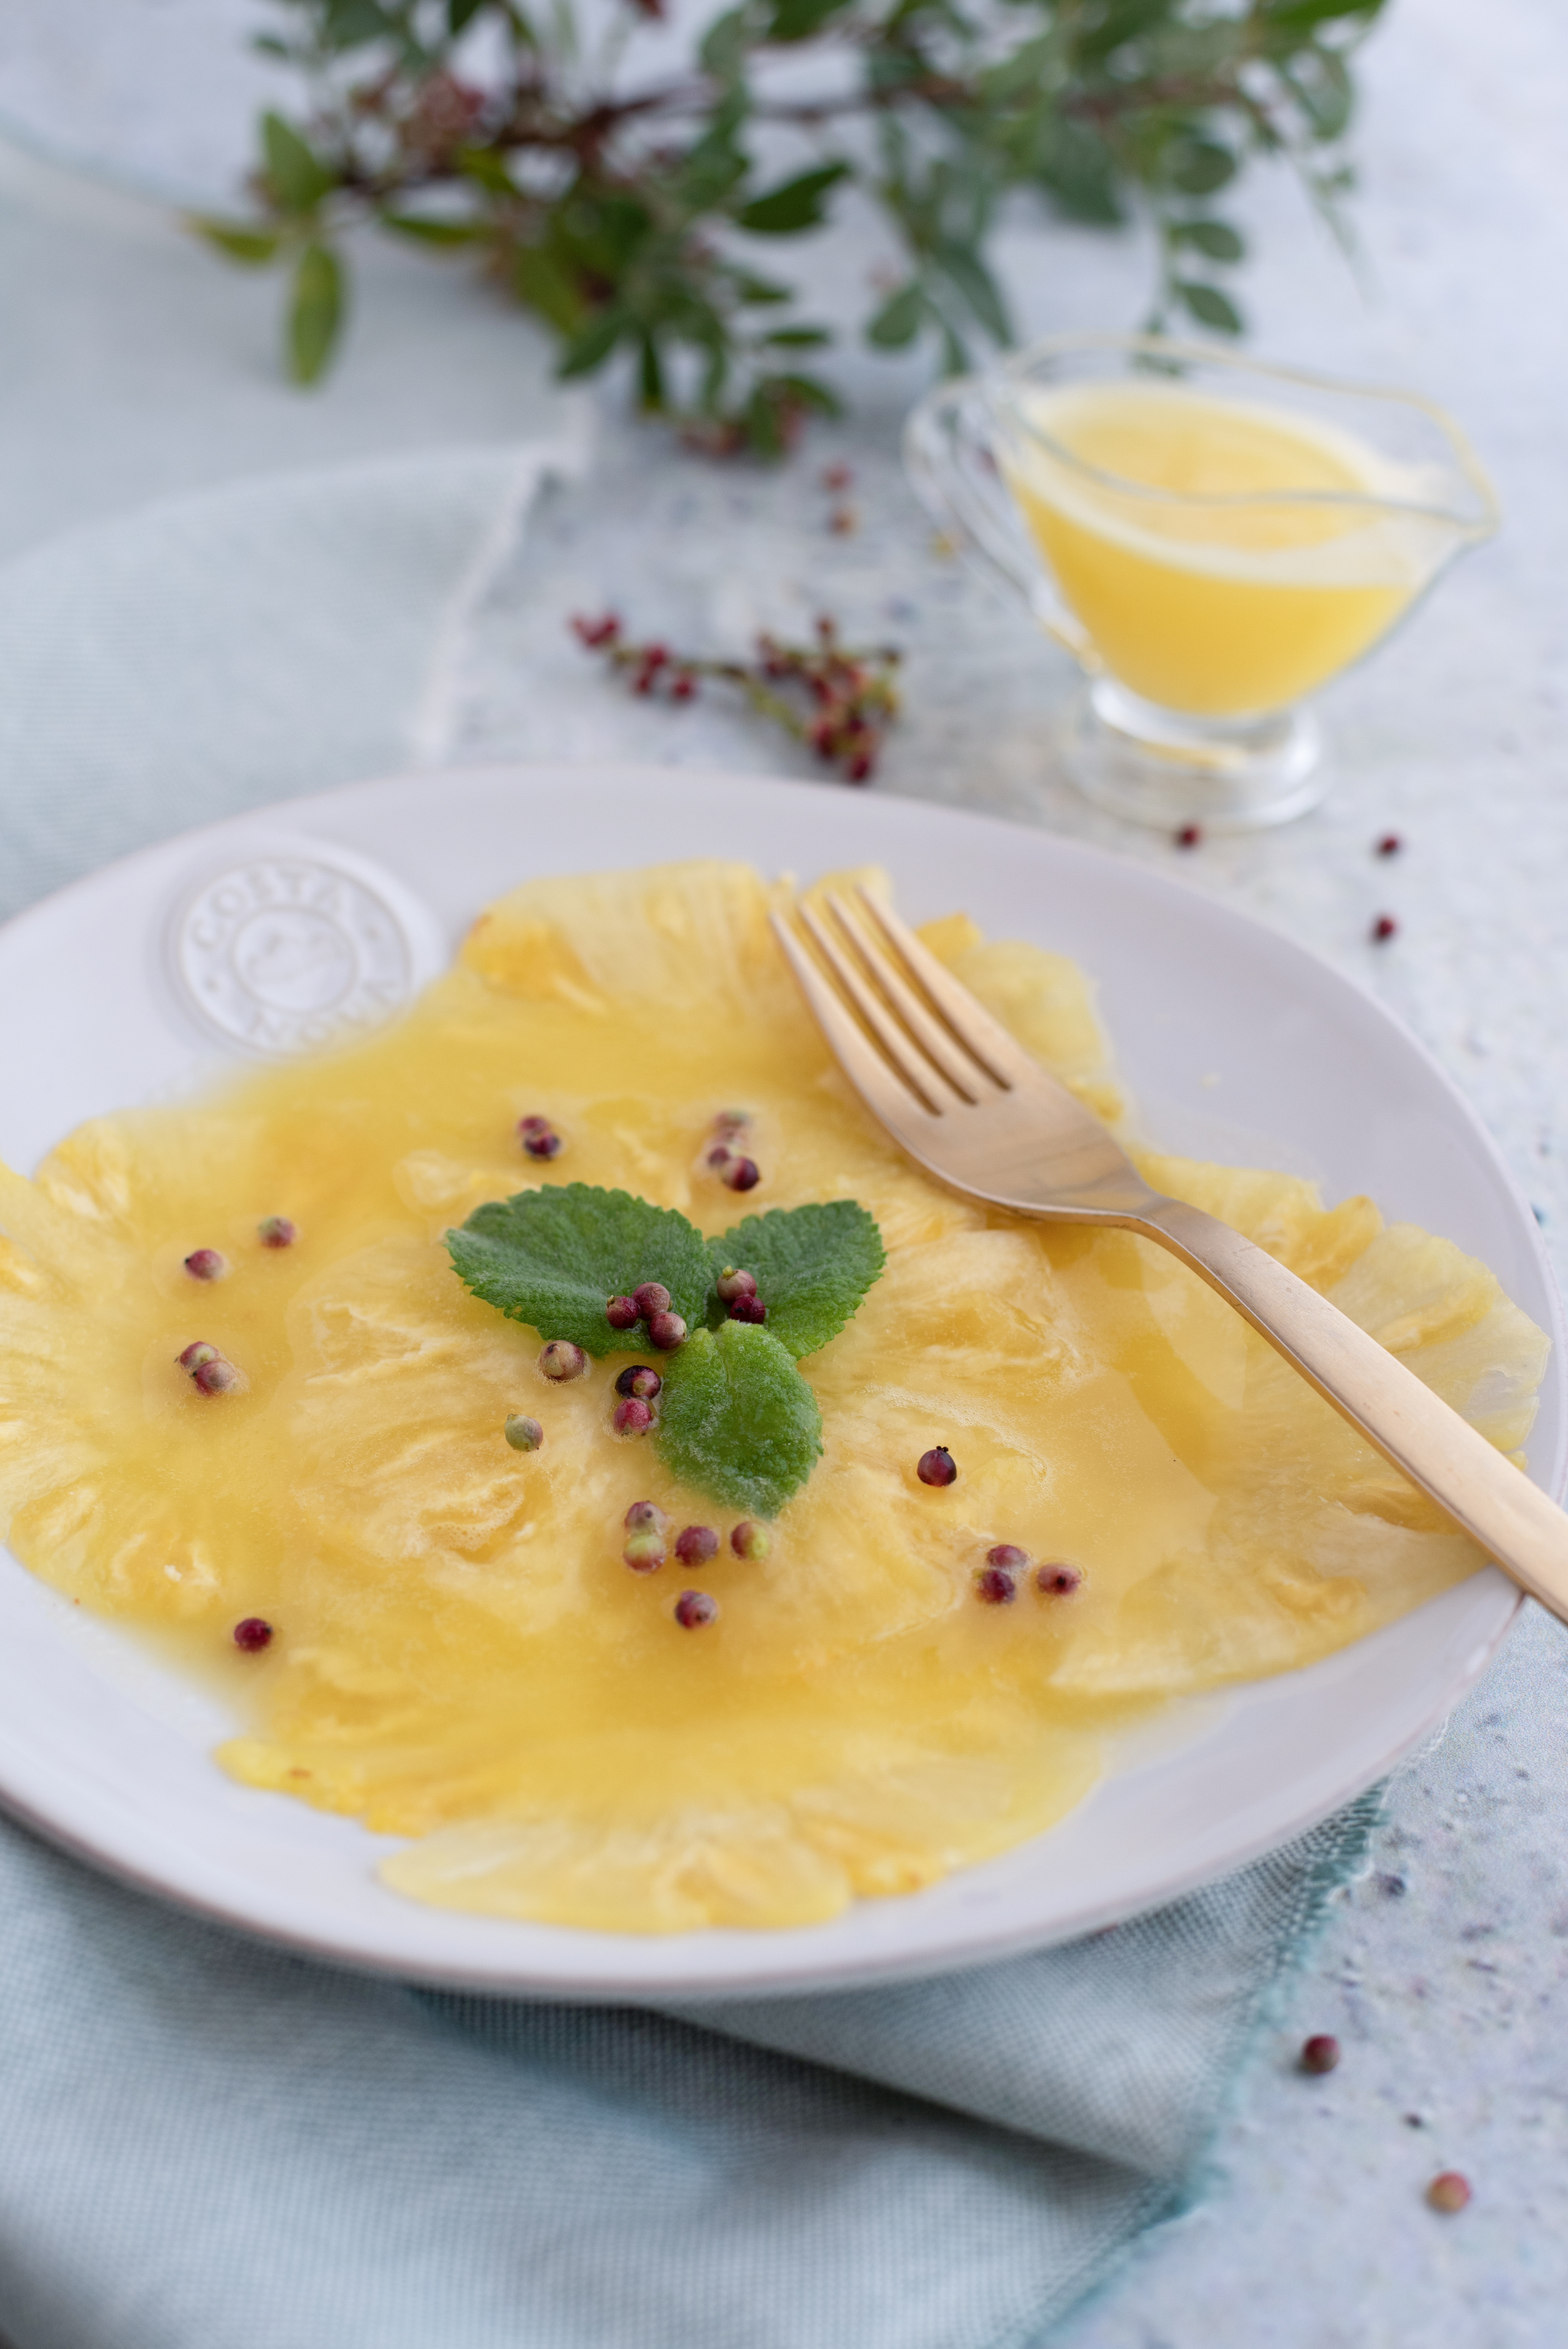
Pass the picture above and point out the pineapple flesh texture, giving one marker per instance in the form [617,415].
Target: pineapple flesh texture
[461,1660]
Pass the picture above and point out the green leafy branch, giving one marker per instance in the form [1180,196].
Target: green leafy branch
[625,215]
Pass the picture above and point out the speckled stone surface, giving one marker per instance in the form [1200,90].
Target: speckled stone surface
[1445,1974]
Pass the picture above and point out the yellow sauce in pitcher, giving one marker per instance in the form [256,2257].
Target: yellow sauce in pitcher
[1226,558]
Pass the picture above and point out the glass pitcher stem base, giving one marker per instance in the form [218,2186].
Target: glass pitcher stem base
[1164,768]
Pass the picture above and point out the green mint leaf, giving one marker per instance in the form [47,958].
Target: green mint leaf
[253,246]
[553,1259]
[738,1419]
[813,1265]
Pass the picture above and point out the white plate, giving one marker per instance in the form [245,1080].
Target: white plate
[125,987]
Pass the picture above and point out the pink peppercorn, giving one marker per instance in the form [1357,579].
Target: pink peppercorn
[937,1466]
[622,1313]
[666,1331]
[1190,836]
[205,1264]
[1384,928]
[748,1309]
[994,1587]
[252,1635]
[215,1377]
[1058,1581]
[741,1174]
[1008,1556]
[634,1416]
[695,1544]
[1320,2054]
[277,1232]
[1449,2191]
[652,1298]
[693,1609]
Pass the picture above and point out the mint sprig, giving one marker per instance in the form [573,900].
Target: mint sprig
[735,1418]
[738,1419]
[813,1265]
[553,1258]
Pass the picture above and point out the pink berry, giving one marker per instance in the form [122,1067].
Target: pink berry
[937,1466]
[1057,1580]
[533,1125]
[560,1361]
[733,1282]
[994,1587]
[1390,844]
[694,1609]
[215,1377]
[749,1540]
[644,1553]
[1320,2053]
[719,1156]
[523,1434]
[547,1144]
[741,1174]
[1008,1556]
[277,1232]
[634,1416]
[695,1544]
[205,1264]
[252,1635]
[197,1353]
[1449,2191]
[639,1378]
[651,1299]
[1384,928]
[748,1309]
[666,1331]
[622,1313]
[1190,836]
[646,1517]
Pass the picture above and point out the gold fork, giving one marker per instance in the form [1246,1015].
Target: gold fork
[966,1102]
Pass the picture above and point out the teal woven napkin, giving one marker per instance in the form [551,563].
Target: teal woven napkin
[207,2144]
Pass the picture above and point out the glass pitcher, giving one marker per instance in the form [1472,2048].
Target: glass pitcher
[1212,539]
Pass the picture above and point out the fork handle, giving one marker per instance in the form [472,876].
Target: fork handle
[1479,1487]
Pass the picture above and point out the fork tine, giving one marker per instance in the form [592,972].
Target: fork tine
[884,1094]
[935,1091]
[964,1070]
[1001,1055]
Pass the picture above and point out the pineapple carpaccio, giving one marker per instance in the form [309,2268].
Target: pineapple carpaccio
[461,1659]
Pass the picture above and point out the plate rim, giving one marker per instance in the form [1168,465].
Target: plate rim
[790,1972]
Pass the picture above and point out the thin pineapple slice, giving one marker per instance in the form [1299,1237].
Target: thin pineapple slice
[461,1659]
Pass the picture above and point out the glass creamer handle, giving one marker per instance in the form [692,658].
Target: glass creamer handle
[949,453]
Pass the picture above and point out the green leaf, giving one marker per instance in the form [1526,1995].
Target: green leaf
[803,391]
[798,204]
[1197,166]
[487,170]
[760,290]
[738,1419]
[1218,239]
[964,269]
[898,321]
[798,338]
[545,286]
[431,231]
[797,20]
[593,347]
[461,15]
[1304,15]
[553,1258]
[316,312]
[813,1265]
[349,24]
[1209,305]
[724,45]
[253,246]
[298,176]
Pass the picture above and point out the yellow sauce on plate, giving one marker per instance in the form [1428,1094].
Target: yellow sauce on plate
[461,1658]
